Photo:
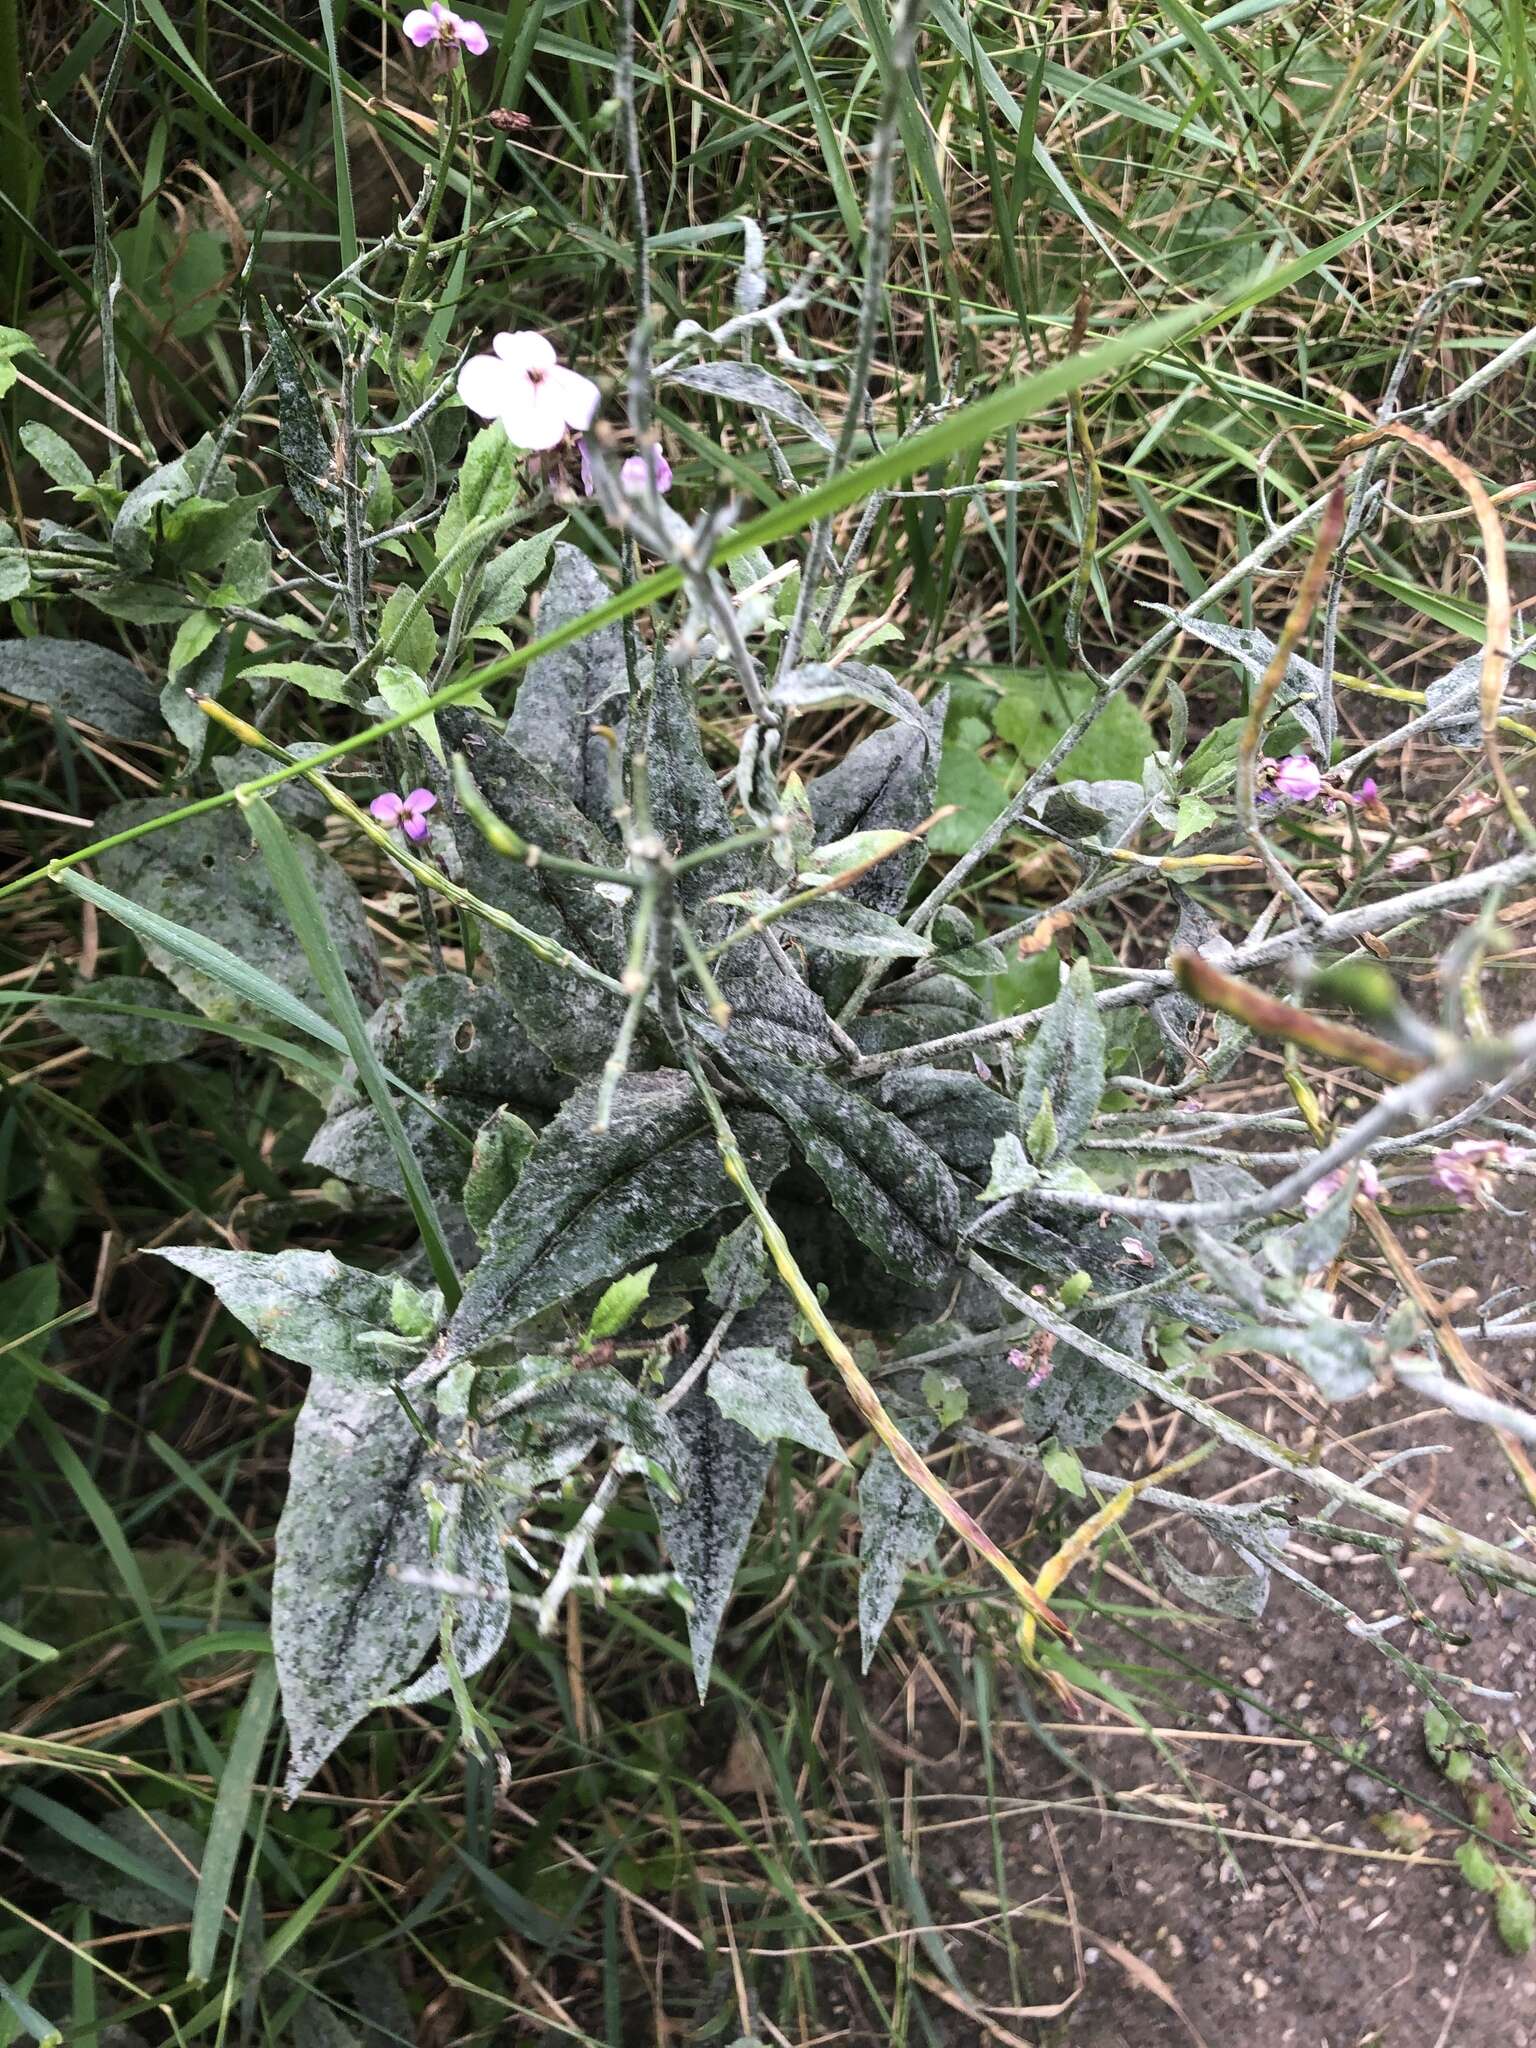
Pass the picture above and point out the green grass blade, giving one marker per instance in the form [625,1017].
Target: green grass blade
[227,1827]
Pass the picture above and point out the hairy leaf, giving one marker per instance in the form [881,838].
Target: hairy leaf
[746,384]
[301,440]
[895,1192]
[885,783]
[347,1629]
[205,875]
[502,1145]
[574,1021]
[956,1113]
[471,1550]
[765,1392]
[900,1525]
[836,924]
[938,1007]
[450,1036]
[109,1015]
[816,685]
[1065,1062]
[306,1306]
[589,1206]
[563,695]
[84,682]
[722,1470]
[507,579]
[687,809]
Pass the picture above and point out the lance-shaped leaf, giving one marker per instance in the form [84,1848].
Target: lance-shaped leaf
[116,1016]
[895,1192]
[306,1306]
[472,1553]
[746,384]
[451,1036]
[353,1144]
[489,487]
[956,1113]
[1302,687]
[573,1020]
[900,1525]
[765,1391]
[589,1206]
[773,1010]
[506,580]
[687,809]
[924,1010]
[817,686]
[722,1470]
[564,694]
[85,682]
[836,924]
[301,440]
[207,876]
[351,1620]
[1064,1069]
[885,783]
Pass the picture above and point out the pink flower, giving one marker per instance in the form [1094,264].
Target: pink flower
[632,472]
[1469,1170]
[449,31]
[522,384]
[1297,778]
[408,813]
[1322,1192]
[635,473]
[1367,793]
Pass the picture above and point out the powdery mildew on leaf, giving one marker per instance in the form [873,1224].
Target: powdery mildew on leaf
[345,1630]
[306,1306]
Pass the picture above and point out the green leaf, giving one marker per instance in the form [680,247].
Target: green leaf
[13,343]
[1066,1062]
[417,646]
[1477,1866]
[506,581]
[306,1306]
[502,1146]
[620,1304]
[1514,1914]
[329,685]
[1038,707]
[588,1205]
[1064,1469]
[763,1391]
[816,686]
[83,681]
[54,456]
[403,690]
[836,924]
[489,486]
[886,783]
[1195,815]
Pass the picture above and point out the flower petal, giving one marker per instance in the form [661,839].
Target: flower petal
[415,829]
[533,414]
[474,38]
[484,382]
[525,350]
[420,27]
[578,396]
[387,808]
[419,801]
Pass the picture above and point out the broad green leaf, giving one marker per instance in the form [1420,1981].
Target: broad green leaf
[403,690]
[13,343]
[489,486]
[306,1306]
[764,1391]
[329,685]
[416,647]
[502,1146]
[54,456]
[507,579]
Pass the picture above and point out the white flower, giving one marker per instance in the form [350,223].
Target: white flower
[522,384]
